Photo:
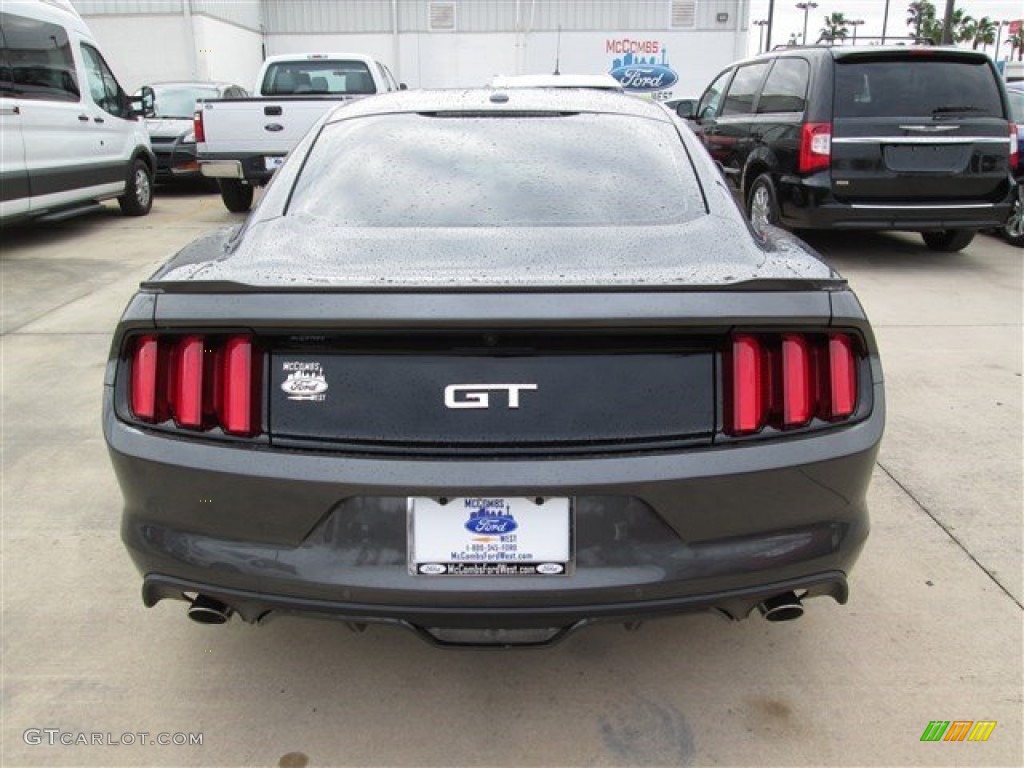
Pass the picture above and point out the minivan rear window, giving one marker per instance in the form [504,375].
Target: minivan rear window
[916,87]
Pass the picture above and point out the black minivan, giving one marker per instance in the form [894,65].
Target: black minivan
[877,138]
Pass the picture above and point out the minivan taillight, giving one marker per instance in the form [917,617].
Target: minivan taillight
[197,126]
[199,382]
[815,147]
[785,381]
[1014,148]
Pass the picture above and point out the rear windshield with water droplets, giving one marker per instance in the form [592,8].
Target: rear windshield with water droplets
[412,170]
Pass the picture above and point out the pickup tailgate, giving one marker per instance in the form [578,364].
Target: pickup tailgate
[260,126]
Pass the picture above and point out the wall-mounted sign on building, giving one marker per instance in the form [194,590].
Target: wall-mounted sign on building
[641,66]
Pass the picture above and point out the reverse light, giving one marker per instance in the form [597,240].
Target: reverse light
[815,147]
[787,381]
[199,382]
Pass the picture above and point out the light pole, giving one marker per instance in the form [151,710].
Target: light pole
[999,36]
[885,21]
[806,8]
[762,23]
[855,23]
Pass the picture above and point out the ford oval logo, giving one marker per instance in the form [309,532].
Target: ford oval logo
[488,522]
[433,569]
[645,78]
[276,127]
[304,385]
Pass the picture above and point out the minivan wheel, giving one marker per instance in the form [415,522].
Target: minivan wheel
[138,192]
[1013,230]
[763,204]
[948,240]
[237,196]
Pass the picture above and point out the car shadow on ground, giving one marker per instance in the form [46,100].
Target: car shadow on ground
[886,251]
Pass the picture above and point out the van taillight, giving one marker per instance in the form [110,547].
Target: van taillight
[197,126]
[199,382]
[815,147]
[1014,148]
[786,381]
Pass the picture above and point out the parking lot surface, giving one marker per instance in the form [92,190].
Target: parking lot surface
[933,629]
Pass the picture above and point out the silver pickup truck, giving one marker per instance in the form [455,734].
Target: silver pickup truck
[241,142]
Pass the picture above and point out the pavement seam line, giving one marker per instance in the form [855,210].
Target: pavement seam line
[950,534]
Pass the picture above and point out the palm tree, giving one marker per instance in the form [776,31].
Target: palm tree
[984,33]
[964,27]
[1016,43]
[835,28]
[919,13]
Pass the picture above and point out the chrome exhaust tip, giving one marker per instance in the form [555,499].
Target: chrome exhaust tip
[784,607]
[206,610]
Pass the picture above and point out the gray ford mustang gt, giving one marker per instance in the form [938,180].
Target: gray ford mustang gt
[493,365]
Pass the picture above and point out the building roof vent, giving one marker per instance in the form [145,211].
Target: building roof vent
[684,14]
[442,17]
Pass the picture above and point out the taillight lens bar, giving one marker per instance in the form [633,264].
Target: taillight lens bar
[200,382]
[815,147]
[197,126]
[1014,148]
[785,381]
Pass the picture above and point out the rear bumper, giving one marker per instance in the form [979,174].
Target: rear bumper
[808,203]
[285,531]
[176,161]
[249,168]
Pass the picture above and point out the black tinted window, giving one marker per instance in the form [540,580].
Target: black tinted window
[712,97]
[740,98]
[37,60]
[418,171]
[924,86]
[785,90]
[318,77]
[103,86]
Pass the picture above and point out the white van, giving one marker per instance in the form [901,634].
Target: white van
[69,135]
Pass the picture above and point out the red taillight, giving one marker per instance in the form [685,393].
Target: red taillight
[746,386]
[197,126]
[145,398]
[199,382]
[815,147]
[797,395]
[238,401]
[842,377]
[187,382]
[786,381]
[1014,148]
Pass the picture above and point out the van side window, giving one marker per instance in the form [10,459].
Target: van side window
[740,98]
[712,97]
[786,87]
[37,60]
[103,86]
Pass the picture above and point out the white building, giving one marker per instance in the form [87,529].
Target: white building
[428,43]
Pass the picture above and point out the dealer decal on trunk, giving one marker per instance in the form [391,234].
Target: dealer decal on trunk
[305,381]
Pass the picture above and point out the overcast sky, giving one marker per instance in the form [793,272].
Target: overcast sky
[790,19]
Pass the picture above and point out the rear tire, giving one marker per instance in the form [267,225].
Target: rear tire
[237,196]
[763,204]
[138,191]
[948,240]
[1013,230]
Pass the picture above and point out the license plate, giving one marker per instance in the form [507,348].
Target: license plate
[272,163]
[514,536]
